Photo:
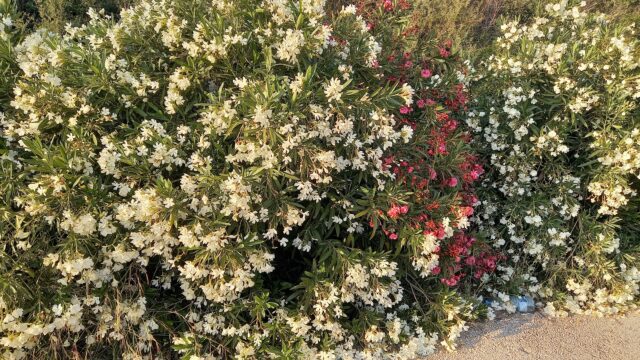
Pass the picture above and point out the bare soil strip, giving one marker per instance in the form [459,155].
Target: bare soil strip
[534,336]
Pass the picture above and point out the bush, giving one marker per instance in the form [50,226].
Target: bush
[440,169]
[11,30]
[272,179]
[436,173]
[558,119]
[233,181]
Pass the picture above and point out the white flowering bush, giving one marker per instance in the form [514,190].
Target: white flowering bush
[558,120]
[197,180]
[10,35]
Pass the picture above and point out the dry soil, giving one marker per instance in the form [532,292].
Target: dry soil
[534,336]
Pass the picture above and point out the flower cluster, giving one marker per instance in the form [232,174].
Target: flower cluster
[557,119]
[433,197]
[435,175]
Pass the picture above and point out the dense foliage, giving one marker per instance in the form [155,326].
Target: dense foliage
[557,115]
[296,179]
[439,169]
[239,179]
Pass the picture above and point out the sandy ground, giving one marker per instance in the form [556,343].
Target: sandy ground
[534,336]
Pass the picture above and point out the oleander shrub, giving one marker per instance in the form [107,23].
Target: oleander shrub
[558,122]
[440,170]
[11,30]
[435,175]
[234,179]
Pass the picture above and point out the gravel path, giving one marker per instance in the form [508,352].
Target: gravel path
[534,336]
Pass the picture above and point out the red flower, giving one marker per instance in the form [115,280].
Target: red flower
[452,281]
[395,211]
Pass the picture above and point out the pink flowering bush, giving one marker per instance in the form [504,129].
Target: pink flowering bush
[436,173]
[427,216]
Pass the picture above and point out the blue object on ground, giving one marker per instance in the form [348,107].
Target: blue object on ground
[525,304]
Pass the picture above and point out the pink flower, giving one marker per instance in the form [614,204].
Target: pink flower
[405,110]
[426,73]
[453,182]
[451,281]
[395,211]
[393,236]
[420,103]
[467,211]
[490,263]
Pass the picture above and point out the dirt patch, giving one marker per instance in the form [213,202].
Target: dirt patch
[534,336]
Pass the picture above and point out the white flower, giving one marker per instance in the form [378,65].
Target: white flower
[82,225]
[333,90]
[406,92]
[241,83]
[297,84]
[289,49]
[406,133]
[348,10]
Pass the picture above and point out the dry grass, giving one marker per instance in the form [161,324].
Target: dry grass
[470,24]
[473,24]
[55,14]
